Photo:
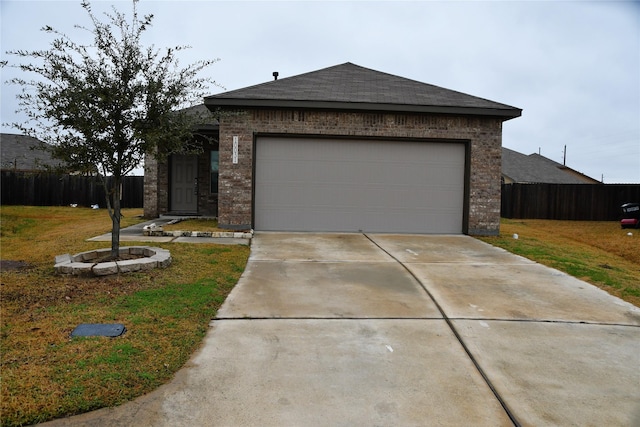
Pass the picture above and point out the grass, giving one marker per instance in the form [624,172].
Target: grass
[600,253]
[45,373]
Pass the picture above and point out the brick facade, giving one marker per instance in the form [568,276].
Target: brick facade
[151,202]
[482,133]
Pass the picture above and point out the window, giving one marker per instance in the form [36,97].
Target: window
[215,155]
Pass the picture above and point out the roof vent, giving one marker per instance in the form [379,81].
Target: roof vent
[275,75]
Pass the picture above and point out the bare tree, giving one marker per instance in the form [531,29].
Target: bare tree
[105,105]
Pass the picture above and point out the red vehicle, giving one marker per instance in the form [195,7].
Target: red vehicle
[630,215]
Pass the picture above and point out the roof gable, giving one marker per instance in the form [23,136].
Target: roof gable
[352,87]
[534,168]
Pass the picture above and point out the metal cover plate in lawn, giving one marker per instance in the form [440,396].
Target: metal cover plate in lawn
[98,329]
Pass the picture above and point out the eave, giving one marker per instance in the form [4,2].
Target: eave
[214,102]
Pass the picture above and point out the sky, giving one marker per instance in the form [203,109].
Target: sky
[573,67]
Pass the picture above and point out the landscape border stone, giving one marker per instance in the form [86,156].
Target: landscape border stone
[84,263]
[158,231]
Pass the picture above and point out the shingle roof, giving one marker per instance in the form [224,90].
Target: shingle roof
[534,168]
[21,152]
[209,123]
[352,87]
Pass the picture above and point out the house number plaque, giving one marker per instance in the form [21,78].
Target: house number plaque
[234,153]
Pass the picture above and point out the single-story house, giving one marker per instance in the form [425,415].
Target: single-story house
[343,149]
[537,169]
[22,153]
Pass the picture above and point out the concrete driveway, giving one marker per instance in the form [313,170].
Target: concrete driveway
[402,330]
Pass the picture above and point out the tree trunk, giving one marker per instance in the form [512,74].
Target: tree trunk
[115,219]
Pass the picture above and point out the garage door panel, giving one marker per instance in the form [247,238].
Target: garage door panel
[351,185]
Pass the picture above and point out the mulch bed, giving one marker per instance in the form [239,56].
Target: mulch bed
[122,257]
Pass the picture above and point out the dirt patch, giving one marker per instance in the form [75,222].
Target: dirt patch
[7,264]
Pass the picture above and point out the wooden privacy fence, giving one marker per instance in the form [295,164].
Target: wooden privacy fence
[47,189]
[588,202]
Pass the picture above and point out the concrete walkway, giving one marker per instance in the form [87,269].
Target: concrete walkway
[134,233]
[356,330]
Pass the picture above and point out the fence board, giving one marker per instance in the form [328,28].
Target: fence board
[46,189]
[586,202]
[591,202]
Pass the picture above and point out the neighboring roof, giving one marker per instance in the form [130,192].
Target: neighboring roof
[196,109]
[351,87]
[21,152]
[534,168]
[210,123]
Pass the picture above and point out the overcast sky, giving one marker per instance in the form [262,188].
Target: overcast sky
[572,66]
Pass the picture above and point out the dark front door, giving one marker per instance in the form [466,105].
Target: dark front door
[184,184]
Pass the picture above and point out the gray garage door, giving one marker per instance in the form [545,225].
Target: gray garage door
[305,184]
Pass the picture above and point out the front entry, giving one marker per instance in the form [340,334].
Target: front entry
[184,183]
